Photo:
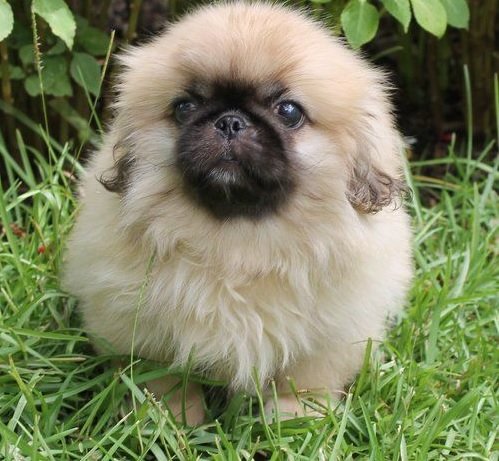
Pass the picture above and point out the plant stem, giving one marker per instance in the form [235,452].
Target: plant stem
[7,88]
[38,64]
[172,9]
[133,19]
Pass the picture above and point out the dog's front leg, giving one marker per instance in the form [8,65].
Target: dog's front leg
[171,387]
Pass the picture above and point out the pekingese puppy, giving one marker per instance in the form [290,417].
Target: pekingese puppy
[243,212]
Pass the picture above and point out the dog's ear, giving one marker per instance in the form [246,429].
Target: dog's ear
[370,189]
[375,181]
[117,178]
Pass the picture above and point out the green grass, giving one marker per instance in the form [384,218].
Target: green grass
[433,396]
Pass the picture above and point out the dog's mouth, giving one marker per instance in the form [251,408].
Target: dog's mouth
[228,163]
[230,189]
[230,186]
[225,174]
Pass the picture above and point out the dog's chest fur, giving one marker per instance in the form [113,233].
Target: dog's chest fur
[237,298]
[228,322]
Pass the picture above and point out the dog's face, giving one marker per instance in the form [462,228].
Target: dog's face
[235,146]
[249,112]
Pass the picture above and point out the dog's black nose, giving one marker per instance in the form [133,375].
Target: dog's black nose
[230,125]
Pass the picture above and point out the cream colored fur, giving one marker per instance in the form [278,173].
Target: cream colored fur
[296,294]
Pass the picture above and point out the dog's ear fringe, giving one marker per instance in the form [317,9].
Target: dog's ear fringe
[117,178]
[371,190]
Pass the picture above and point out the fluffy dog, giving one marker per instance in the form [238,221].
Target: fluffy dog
[243,210]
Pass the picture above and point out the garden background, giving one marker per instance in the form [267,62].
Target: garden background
[435,393]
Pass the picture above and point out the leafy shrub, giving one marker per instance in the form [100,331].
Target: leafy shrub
[69,32]
[360,19]
[71,60]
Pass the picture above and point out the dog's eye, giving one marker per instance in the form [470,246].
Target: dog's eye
[183,109]
[290,114]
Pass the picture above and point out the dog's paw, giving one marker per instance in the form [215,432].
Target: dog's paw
[186,408]
[289,407]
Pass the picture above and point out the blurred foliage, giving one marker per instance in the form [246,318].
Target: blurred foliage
[360,19]
[53,51]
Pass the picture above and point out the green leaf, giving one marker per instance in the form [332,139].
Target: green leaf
[55,78]
[93,40]
[32,85]
[360,22]
[6,19]
[59,18]
[400,10]
[27,55]
[430,15]
[85,70]
[15,73]
[458,13]
[58,48]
